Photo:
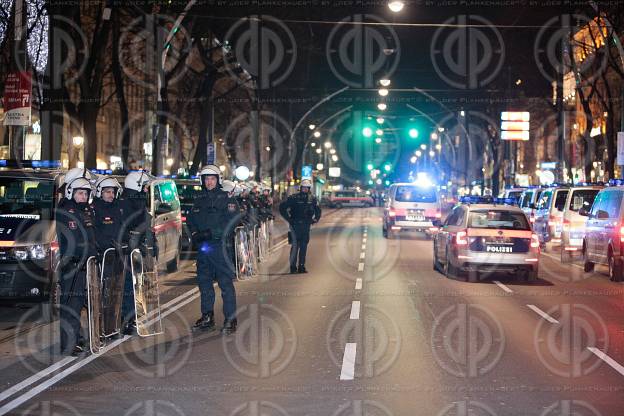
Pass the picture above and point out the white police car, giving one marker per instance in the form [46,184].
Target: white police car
[483,236]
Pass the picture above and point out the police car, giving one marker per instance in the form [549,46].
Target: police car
[485,235]
[188,190]
[28,247]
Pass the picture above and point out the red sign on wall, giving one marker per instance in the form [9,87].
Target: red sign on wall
[17,99]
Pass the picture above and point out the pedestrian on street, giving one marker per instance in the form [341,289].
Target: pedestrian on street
[136,232]
[300,210]
[211,221]
[76,237]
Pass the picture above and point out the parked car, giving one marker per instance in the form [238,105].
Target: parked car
[164,206]
[486,237]
[604,234]
[528,200]
[581,197]
[549,215]
[513,193]
[411,207]
[347,198]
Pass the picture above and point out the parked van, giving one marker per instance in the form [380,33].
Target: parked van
[164,206]
[604,233]
[411,207]
[549,215]
[528,200]
[581,197]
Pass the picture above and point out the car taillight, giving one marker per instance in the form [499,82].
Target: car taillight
[552,220]
[622,234]
[566,225]
[438,214]
[534,241]
[183,219]
[392,213]
[461,238]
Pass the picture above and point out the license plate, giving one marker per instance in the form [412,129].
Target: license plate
[415,218]
[499,249]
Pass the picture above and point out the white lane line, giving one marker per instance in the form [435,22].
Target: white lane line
[361,267]
[502,286]
[543,314]
[355,310]
[363,246]
[35,377]
[362,255]
[364,240]
[604,357]
[348,362]
[280,245]
[69,370]
[52,381]
[358,283]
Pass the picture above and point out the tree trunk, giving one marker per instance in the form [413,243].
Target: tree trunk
[120,92]
[89,124]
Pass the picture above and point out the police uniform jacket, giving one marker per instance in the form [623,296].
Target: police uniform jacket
[75,231]
[213,214]
[108,223]
[300,209]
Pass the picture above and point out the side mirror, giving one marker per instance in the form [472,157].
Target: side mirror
[163,209]
[601,215]
[583,212]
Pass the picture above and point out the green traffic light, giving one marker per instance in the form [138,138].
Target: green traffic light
[413,133]
[370,182]
[367,132]
[369,166]
[388,167]
[387,183]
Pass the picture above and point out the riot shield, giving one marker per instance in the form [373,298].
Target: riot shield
[94,303]
[146,294]
[112,279]
[241,253]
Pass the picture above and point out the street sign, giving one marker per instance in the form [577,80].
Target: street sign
[17,99]
[515,125]
[620,148]
[306,172]
[334,172]
[210,151]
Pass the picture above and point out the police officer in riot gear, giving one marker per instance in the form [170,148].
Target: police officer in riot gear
[108,214]
[76,237]
[301,210]
[210,222]
[136,233]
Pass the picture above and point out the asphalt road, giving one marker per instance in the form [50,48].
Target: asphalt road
[370,330]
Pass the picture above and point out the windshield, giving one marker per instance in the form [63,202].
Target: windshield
[345,194]
[583,199]
[498,219]
[26,198]
[415,194]
[188,193]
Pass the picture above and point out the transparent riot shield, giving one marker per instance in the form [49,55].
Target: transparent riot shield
[146,294]
[112,280]
[94,303]
[241,253]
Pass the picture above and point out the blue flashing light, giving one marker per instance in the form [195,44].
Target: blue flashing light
[205,248]
[43,164]
[3,163]
[616,182]
[476,199]
[102,171]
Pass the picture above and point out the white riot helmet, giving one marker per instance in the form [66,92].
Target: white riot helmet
[137,180]
[307,183]
[228,186]
[76,173]
[78,183]
[107,182]
[210,170]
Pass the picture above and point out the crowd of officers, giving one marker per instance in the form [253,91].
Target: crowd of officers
[96,214]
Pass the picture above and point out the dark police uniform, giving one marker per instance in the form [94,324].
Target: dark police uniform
[108,223]
[77,242]
[211,221]
[301,210]
[135,233]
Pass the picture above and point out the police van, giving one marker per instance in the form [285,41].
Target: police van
[412,206]
[28,247]
[188,191]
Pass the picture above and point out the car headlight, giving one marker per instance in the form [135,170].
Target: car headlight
[20,254]
[37,252]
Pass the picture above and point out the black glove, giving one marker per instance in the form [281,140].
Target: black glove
[201,236]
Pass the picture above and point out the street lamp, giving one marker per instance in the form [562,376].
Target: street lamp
[438,146]
[169,162]
[423,146]
[418,153]
[311,126]
[413,159]
[318,151]
[382,106]
[413,133]
[328,145]
[434,136]
[367,132]
[380,120]
[396,6]
[78,141]
[332,151]
[384,82]
[378,140]
[335,158]
[319,166]
[313,144]
[268,148]
[379,132]
[317,134]
[431,153]
[383,92]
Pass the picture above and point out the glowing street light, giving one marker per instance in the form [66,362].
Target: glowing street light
[418,153]
[434,136]
[431,153]
[382,106]
[332,151]
[78,141]
[383,92]
[317,134]
[335,158]
[379,132]
[380,120]
[413,133]
[423,146]
[327,145]
[313,144]
[367,132]
[384,82]
[378,140]
[413,159]
[311,126]
[318,151]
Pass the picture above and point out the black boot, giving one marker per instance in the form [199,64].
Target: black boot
[79,349]
[205,323]
[302,269]
[130,328]
[293,270]
[229,326]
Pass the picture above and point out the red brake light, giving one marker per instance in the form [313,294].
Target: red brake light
[552,220]
[461,239]
[438,214]
[534,241]
[183,219]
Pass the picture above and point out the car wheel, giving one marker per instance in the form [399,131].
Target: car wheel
[436,263]
[615,268]
[172,266]
[588,266]
[384,232]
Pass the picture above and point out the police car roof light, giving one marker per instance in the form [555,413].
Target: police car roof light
[35,164]
[616,182]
